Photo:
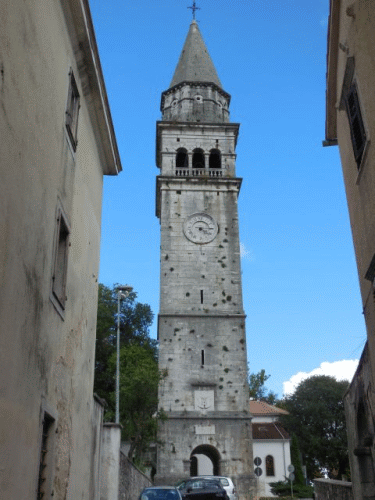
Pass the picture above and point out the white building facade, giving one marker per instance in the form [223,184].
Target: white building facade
[271,444]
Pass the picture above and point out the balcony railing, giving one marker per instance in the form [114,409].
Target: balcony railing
[199,172]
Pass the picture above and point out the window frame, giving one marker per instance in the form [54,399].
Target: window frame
[72,111]
[356,124]
[48,421]
[270,466]
[60,261]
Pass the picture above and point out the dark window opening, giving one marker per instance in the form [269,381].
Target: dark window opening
[182,159]
[357,129]
[45,460]
[202,358]
[201,296]
[215,159]
[198,159]
[61,260]
[72,110]
[270,466]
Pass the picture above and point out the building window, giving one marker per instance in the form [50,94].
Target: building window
[72,110]
[357,129]
[215,159]
[270,466]
[45,463]
[61,260]
[370,274]
[198,159]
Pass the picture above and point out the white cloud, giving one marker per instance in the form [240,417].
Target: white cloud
[341,370]
[244,252]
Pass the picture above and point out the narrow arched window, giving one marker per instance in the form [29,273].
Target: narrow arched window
[182,158]
[198,158]
[215,159]
[270,466]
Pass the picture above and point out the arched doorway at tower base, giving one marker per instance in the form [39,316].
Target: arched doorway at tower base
[205,460]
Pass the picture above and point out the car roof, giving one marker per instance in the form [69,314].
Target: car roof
[160,488]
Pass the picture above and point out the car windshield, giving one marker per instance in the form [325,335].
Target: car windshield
[160,494]
[199,484]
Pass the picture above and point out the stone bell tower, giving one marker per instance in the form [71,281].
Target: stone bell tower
[201,325]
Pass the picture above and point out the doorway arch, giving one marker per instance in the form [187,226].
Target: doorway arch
[207,451]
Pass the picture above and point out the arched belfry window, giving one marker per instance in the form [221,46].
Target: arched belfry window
[270,466]
[182,158]
[215,158]
[198,158]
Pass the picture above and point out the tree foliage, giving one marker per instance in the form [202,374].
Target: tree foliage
[139,373]
[316,416]
[284,489]
[257,388]
[295,458]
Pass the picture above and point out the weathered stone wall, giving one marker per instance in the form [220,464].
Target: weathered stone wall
[132,480]
[47,352]
[350,48]
[359,419]
[96,433]
[329,489]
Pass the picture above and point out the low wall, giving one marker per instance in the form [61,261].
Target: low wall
[329,489]
[132,480]
[109,470]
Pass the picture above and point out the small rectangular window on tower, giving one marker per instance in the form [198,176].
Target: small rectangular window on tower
[72,111]
[202,357]
[201,296]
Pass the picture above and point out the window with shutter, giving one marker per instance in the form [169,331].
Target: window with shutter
[45,463]
[60,262]
[72,110]
[357,129]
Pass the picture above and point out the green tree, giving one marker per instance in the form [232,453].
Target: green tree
[139,374]
[284,489]
[135,321]
[295,458]
[139,379]
[257,388]
[316,416]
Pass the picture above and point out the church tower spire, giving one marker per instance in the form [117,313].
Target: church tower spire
[201,322]
[195,93]
[195,63]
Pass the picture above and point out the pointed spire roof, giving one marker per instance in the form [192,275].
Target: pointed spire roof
[195,63]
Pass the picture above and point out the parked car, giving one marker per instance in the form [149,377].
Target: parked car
[227,484]
[202,489]
[160,493]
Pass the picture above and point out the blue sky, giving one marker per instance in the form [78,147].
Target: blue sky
[300,285]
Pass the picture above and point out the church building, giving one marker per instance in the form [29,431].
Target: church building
[201,323]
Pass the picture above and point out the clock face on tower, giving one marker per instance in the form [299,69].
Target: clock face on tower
[200,228]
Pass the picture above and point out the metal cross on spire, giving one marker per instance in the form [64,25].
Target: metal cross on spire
[194,8]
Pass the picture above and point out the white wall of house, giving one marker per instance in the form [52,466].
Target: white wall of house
[280,450]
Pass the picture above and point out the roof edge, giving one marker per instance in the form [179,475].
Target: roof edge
[331,74]
[82,35]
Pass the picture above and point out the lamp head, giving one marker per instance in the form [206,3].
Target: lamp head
[124,288]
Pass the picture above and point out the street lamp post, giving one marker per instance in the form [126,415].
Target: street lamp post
[122,293]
